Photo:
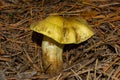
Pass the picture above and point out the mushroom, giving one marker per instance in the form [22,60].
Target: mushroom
[58,31]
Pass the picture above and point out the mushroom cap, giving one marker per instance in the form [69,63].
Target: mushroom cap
[64,30]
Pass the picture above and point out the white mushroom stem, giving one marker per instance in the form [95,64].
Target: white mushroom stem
[52,55]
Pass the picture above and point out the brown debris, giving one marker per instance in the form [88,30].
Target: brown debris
[95,59]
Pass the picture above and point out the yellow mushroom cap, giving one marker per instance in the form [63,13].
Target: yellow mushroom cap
[64,30]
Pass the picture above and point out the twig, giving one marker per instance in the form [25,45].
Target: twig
[88,76]
[95,69]
[77,76]
[58,78]
[109,76]
[5,59]
[116,59]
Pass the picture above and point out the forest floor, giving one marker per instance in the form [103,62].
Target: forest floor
[95,59]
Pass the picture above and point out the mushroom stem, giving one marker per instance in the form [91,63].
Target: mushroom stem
[52,55]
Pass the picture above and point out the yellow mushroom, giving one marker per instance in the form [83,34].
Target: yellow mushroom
[58,31]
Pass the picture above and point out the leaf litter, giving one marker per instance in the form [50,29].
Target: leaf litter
[95,59]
